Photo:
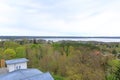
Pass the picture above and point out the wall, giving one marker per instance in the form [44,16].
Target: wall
[14,67]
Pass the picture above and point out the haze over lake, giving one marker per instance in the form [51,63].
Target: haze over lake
[78,39]
[86,39]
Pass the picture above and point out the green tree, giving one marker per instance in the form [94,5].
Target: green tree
[20,52]
[1,53]
[10,44]
[9,54]
[117,73]
[113,70]
[114,52]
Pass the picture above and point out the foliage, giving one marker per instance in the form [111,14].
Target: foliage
[114,70]
[20,52]
[114,52]
[110,77]
[9,54]
[67,60]
[57,77]
[117,73]
[10,44]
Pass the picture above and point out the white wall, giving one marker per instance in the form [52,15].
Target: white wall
[14,67]
[10,68]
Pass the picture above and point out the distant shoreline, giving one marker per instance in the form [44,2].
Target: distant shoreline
[74,37]
[59,38]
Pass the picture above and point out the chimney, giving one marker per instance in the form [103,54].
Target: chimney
[2,63]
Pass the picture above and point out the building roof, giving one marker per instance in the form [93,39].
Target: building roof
[14,61]
[3,70]
[44,76]
[26,74]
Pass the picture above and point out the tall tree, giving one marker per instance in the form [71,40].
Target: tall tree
[9,53]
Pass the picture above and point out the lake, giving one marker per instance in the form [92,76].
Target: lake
[85,39]
[101,39]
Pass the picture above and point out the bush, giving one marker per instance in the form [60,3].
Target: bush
[57,77]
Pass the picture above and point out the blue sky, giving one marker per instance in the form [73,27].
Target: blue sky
[60,17]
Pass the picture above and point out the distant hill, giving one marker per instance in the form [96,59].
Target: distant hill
[74,37]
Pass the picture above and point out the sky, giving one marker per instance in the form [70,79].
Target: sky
[59,17]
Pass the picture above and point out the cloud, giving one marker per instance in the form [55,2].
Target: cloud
[5,13]
[60,17]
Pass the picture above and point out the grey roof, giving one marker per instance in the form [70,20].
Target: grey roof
[14,61]
[44,76]
[26,74]
[3,70]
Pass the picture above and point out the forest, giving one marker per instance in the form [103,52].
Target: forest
[67,60]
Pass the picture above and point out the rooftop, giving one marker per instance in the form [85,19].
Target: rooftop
[3,70]
[14,61]
[26,74]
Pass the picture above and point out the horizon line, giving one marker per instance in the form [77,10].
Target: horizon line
[22,37]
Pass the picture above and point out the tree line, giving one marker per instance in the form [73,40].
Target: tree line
[66,60]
